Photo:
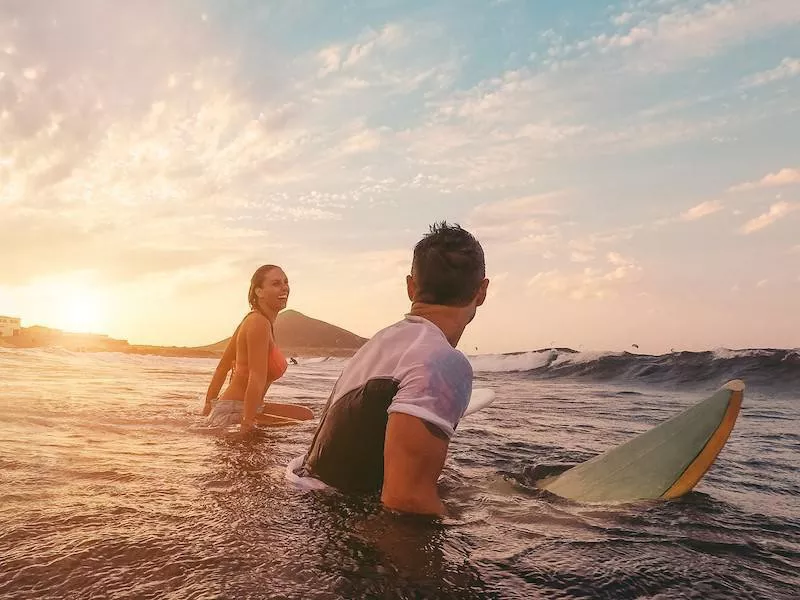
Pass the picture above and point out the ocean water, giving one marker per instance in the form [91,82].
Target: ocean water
[110,489]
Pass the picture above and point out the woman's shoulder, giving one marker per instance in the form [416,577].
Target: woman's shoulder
[254,320]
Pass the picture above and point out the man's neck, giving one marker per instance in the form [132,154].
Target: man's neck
[450,319]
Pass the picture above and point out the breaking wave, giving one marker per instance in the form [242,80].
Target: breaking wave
[773,368]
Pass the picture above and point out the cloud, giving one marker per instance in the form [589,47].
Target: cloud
[787,176]
[776,211]
[590,283]
[390,35]
[618,260]
[363,140]
[622,18]
[367,75]
[576,256]
[502,131]
[396,59]
[489,137]
[163,143]
[789,67]
[159,158]
[330,59]
[344,56]
[515,208]
[113,252]
[688,31]
[704,209]
[530,220]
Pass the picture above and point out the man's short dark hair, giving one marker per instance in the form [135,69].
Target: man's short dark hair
[448,266]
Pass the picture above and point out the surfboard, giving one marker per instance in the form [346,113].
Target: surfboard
[277,414]
[479,399]
[664,462]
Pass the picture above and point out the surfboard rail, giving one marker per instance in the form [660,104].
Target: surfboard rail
[702,463]
[665,462]
[276,414]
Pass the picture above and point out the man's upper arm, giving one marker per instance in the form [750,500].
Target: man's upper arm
[423,415]
[413,458]
[436,391]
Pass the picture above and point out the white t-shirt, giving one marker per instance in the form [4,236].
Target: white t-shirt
[410,368]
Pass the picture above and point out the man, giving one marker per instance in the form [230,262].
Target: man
[388,422]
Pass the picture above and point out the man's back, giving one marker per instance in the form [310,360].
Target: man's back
[410,368]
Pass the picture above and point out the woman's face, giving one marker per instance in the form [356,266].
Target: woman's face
[274,290]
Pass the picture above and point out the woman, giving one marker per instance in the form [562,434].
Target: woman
[251,354]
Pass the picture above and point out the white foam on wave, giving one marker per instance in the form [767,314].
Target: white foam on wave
[727,354]
[509,363]
[312,361]
[580,358]
[528,361]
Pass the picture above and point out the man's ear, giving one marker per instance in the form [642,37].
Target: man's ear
[411,287]
[481,296]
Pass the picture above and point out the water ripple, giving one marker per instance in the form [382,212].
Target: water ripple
[109,489]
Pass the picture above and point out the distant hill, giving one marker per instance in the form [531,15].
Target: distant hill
[296,334]
[299,335]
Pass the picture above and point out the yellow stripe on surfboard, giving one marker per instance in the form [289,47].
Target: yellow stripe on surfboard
[700,465]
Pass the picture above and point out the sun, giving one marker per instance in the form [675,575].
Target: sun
[74,302]
[81,309]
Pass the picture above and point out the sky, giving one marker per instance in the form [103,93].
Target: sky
[631,168]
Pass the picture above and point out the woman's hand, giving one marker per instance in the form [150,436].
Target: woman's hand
[247,426]
[206,408]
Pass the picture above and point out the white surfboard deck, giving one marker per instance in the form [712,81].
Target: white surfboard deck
[480,399]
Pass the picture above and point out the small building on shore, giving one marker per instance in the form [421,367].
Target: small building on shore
[10,326]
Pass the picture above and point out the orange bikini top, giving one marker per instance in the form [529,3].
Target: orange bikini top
[276,363]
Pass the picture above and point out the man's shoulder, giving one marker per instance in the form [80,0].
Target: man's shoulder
[427,345]
[450,360]
[408,346]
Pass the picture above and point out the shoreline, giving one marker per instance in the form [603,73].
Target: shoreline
[168,351]
[298,336]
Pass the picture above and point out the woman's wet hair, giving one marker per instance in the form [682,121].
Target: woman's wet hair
[255,281]
[448,266]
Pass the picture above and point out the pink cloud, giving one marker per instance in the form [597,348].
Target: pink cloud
[775,212]
[787,176]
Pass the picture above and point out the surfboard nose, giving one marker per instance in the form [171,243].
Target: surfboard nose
[735,385]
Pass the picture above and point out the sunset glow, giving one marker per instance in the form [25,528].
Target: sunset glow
[70,303]
[82,310]
[633,179]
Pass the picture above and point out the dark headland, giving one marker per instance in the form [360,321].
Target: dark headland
[296,334]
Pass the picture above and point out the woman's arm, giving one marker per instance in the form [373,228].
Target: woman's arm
[257,339]
[223,367]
